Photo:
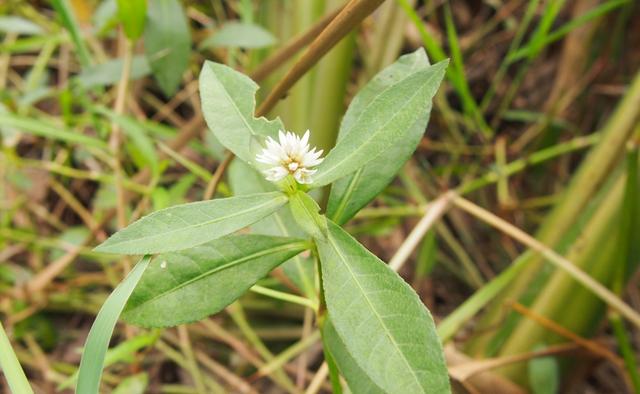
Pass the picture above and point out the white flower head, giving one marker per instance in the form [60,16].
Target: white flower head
[290,155]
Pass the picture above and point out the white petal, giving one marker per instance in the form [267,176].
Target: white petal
[303,175]
[305,139]
[275,174]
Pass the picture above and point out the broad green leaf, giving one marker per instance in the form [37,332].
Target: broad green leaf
[109,72]
[167,43]
[228,105]
[382,124]
[104,17]
[306,212]
[184,226]
[132,16]
[351,193]
[135,384]
[243,180]
[190,285]
[359,382]
[239,35]
[382,322]
[543,374]
[97,343]
[18,25]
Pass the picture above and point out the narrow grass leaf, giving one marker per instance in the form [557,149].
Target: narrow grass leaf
[97,343]
[228,105]
[381,320]
[381,124]
[187,225]
[206,278]
[10,366]
[65,11]
[167,43]
[351,193]
[47,130]
[123,352]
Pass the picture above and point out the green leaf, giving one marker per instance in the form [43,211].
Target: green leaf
[123,352]
[18,25]
[184,226]
[543,374]
[10,366]
[64,11]
[382,322]
[45,129]
[109,72]
[382,123]
[228,105]
[306,212]
[132,16]
[135,384]
[97,343]
[239,35]
[351,193]
[358,380]
[190,285]
[167,43]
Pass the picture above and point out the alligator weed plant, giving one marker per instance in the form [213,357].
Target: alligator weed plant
[375,330]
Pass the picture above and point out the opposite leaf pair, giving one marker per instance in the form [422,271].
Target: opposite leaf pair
[377,330]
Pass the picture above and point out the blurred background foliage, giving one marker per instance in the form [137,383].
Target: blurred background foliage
[538,122]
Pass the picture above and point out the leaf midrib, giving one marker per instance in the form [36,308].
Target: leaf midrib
[386,329]
[206,223]
[355,179]
[372,135]
[383,91]
[282,248]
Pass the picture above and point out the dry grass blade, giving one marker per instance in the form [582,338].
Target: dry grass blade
[576,273]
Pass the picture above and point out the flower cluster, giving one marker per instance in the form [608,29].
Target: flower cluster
[291,155]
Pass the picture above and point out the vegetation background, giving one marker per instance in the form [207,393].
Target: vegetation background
[529,163]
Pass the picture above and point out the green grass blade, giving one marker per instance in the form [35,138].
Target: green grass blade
[626,349]
[64,9]
[97,343]
[11,368]
[50,131]
[568,27]
[462,85]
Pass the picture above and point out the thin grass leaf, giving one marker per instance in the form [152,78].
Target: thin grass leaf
[97,342]
[65,11]
[47,130]
[10,366]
